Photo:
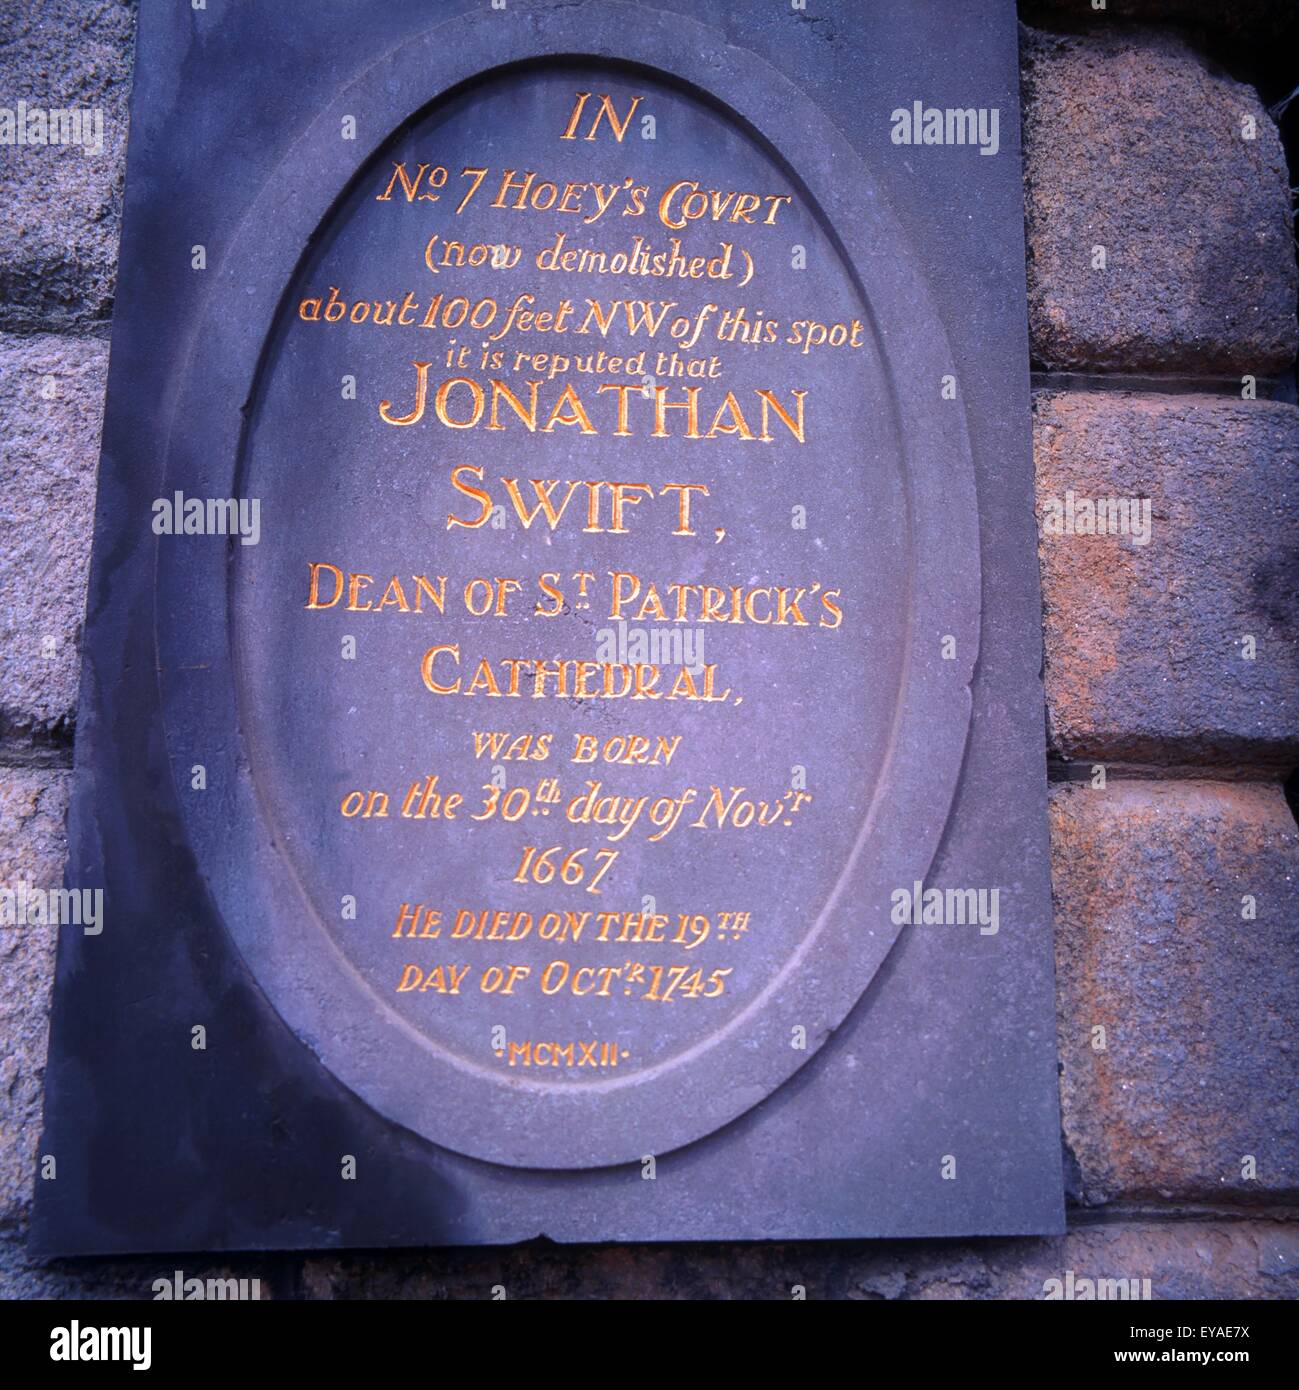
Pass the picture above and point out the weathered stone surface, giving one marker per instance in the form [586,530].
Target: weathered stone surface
[20,1277]
[1182,1260]
[32,851]
[1132,144]
[61,208]
[1199,1003]
[1145,644]
[51,402]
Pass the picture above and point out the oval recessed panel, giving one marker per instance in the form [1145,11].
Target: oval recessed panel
[581,828]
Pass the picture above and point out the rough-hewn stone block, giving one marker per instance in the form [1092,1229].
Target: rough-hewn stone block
[33,848]
[1197,1067]
[1147,657]
[1133,145]
[51,405]
[61,208]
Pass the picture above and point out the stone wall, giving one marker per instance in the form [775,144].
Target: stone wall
[1172,670]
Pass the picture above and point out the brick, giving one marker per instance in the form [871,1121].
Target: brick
[61,210]
[1200,1006]
[1133,144]
[51,404]
[1145,651]
[33,848]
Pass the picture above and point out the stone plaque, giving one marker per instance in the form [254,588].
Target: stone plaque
[561,739]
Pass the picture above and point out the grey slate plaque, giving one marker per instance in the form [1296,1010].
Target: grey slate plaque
[590,779]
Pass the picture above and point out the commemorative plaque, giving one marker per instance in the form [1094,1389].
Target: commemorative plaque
[561,736]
